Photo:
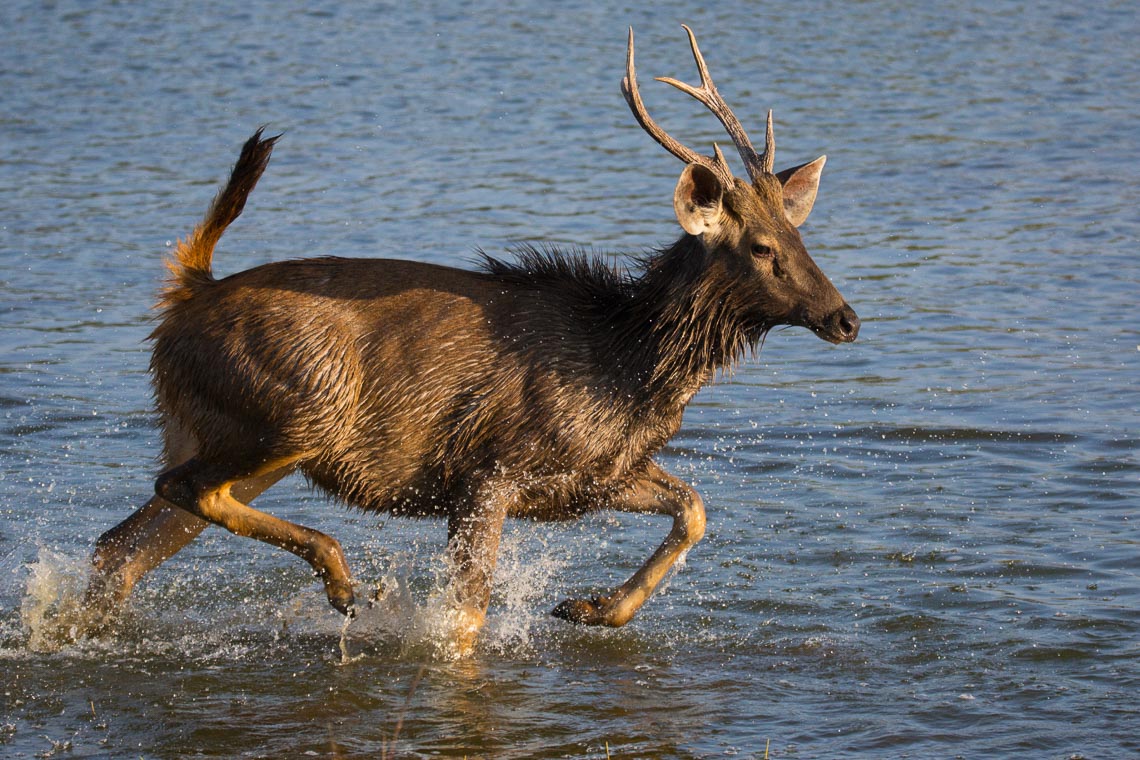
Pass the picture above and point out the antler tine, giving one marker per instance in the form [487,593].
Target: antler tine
[708,95]
[632,95]
[769,157]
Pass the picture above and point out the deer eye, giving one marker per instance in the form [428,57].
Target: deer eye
[761,251]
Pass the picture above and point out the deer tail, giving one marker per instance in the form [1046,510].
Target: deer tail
[190,264]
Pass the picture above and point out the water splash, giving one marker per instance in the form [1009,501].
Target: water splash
[409,615]
[425,625]
[52,615]
[524,578]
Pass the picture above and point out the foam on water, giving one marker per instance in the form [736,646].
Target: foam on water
[52,619]
[524,581]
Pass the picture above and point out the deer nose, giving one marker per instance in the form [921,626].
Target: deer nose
[846,323]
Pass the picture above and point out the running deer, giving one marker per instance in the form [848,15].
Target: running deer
[539,387]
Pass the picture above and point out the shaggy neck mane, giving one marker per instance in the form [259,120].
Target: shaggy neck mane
[666,326]
[691,308]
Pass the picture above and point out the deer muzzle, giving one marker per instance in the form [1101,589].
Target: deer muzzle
[840,326]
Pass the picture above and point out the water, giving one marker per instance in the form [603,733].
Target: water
[923,544]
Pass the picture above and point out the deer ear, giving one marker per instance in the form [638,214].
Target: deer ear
[800,186]
[697,200]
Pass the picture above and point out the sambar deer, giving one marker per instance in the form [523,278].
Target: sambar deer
[534,388]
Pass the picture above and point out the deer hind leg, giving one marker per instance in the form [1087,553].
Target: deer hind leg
[149,537]
[152,534]
[657,492]
[208,492]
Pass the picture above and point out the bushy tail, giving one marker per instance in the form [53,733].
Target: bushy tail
[190,264]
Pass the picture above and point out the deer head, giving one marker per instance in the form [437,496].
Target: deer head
[751,226]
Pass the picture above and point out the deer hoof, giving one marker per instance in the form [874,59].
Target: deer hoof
[468,621]
[341,597]
[582,611]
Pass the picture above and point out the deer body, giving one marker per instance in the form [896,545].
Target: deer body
[537,388]
[494,376]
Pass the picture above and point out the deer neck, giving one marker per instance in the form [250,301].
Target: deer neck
[684,313]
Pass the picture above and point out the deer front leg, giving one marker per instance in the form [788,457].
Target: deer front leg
[656,492]
[473,548]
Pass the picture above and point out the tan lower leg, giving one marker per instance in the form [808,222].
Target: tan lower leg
[621,605]
[128,551]
[473,543]
[193,488]
[661,493]
[146,539]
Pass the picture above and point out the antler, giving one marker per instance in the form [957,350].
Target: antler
[756,164]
